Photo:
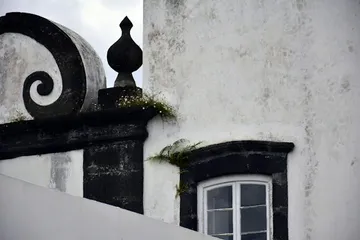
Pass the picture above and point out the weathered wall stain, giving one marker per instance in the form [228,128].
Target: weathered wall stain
[166,42]
[300,4]
[355,160]
[175,4]
[311,164]
[345,84]
[59,171]
[212,14]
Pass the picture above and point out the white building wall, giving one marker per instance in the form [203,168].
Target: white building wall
[59,216]
[60,171]
[274,70]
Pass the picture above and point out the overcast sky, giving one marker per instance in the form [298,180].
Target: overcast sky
[97,21]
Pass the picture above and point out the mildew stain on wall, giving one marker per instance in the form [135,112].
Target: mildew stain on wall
[59,171]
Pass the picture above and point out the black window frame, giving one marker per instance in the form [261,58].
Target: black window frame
[235,158]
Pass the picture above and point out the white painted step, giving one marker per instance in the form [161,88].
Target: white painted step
[30,212]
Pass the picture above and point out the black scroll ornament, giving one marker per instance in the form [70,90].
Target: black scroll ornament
[67,58]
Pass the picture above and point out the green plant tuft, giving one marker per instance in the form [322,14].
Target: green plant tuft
[176,153]
[165,111]
[181,188]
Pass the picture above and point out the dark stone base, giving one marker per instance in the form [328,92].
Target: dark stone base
[109,97]
[113,174]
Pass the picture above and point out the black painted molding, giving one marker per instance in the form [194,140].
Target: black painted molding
[238,157]
[70,132]
[67,58]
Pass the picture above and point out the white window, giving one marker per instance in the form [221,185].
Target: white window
[236,207]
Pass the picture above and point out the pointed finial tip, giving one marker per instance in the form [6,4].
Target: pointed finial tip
[126,23]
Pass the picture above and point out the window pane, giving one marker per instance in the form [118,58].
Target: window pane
[254,236]
[219,198]
[253,219]
[220,222]
[252,194]
[227,237]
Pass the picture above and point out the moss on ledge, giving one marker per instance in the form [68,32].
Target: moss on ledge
[162,108]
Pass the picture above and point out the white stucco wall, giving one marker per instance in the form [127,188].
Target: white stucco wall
[264,70]
[60,171]
[29,212]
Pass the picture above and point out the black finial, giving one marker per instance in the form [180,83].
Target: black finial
[126,25]
[125,56]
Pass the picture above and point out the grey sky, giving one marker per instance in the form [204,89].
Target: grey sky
[97,21]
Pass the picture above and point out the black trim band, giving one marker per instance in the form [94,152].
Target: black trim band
[70,132]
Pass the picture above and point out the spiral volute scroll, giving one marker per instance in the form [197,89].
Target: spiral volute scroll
[67,58]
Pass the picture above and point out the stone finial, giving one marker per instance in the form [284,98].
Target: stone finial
[125,56]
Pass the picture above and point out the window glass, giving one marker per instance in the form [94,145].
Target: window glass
[220,222]
[225,237]
[254,236]
[219,198]
[253,219]
[252,194]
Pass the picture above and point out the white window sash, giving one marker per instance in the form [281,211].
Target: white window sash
[235,182]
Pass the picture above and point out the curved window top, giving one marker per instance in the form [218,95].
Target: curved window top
[234,178]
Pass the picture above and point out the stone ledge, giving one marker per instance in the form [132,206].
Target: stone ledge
[70,132]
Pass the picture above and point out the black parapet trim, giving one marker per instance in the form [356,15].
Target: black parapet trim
[67,57]
[75,131]
[238,157]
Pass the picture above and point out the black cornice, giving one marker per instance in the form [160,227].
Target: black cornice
[243,146]
[70,132]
